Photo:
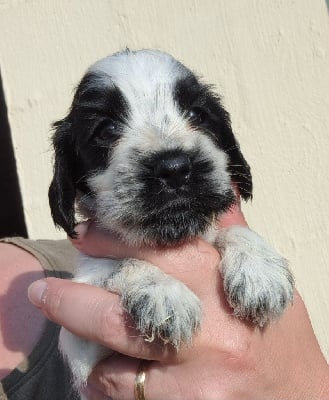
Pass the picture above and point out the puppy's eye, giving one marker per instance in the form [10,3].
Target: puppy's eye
[107,131]
[197,115]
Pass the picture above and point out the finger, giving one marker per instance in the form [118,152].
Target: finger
[94,314]
[98,242]
[115,377]
[173,260]
[233,216]
[97,315]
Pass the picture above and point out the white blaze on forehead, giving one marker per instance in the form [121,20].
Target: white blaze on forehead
[140,70]
[146,79]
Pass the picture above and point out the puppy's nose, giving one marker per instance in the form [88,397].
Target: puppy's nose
[174,170]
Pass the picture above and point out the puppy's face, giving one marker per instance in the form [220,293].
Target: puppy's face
[147,150]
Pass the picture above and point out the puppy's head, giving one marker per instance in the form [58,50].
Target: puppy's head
[146,150]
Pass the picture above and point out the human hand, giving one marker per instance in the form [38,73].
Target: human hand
[229,359]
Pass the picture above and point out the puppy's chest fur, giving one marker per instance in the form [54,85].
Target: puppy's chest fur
[148,151]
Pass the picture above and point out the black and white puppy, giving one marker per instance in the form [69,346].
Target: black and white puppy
[148,151]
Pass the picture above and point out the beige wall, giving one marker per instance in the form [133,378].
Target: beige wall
[268,58]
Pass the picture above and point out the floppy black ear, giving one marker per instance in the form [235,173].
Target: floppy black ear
[237,165]
[62,191]
[240,171]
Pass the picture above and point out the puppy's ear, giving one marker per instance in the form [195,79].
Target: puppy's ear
[237,165]
[240,171]
[62,191]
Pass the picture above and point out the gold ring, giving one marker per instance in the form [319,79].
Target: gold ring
[140,381]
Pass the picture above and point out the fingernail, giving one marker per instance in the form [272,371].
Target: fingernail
[37,292]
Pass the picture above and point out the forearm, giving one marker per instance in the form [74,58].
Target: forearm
[21,325]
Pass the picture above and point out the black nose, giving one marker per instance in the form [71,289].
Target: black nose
[173,169]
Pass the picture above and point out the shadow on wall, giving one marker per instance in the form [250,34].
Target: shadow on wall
[12,221]
[327,2]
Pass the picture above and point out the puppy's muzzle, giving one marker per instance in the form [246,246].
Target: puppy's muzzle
[173,170]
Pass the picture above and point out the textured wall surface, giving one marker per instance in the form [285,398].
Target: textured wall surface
[270,62]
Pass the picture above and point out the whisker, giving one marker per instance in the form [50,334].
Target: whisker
[240,174]
[236,146]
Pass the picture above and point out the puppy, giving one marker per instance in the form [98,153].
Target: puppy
[147,151]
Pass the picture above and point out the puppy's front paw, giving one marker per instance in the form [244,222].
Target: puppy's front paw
[259,298]
[161,307]
[257,281]
[170,313]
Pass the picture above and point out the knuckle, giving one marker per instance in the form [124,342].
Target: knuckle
[114,376]
[100,379]
[240,356]
[105,380]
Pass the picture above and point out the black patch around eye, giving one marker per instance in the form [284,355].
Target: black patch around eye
[98,109]
[198,103]
[96,94]
[189,94]
[106,133]
[197,116]
[98,112]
